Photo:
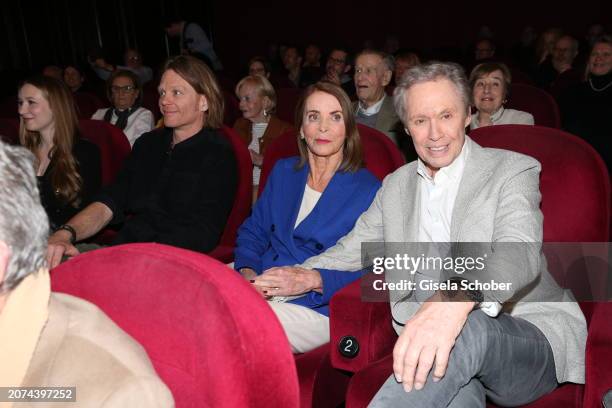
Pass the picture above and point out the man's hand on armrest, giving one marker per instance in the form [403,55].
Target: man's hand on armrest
[85,224]
[429,337]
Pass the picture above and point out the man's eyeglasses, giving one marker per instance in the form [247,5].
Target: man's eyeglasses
[123,89]
[336,61]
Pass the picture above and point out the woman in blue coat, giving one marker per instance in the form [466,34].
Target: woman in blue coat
[309,202]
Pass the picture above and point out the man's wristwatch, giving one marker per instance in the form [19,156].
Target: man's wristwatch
[71,230]
[464,294]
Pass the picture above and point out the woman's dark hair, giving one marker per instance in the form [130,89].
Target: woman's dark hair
[352,157]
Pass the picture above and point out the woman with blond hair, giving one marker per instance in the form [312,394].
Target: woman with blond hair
[68,167]
[258,126]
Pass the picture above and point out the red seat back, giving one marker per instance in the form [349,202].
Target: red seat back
[112,142]
[87,104]
[536,101]
[194,317]
[242,203]
[9,130]
[231,109]
[380,155]
[8,107]
[574,183]
[150,99]
[286,102]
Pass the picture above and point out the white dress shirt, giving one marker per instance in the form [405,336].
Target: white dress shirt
[372,110]
[438,194]
[139,122]
[309,201]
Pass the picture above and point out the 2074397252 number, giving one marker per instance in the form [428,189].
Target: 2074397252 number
[37,394]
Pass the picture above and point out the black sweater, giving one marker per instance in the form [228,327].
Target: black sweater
[178,196]
[87,156]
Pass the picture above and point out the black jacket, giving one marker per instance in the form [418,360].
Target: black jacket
[178,196]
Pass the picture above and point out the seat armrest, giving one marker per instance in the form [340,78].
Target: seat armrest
[598,357]
[368,322]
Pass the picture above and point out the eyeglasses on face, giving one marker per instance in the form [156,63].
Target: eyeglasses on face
[123,89]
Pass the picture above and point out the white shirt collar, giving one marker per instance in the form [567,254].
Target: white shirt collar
[495,117]
[372,110]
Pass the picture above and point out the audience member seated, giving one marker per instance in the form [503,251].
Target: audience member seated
[193,40]
[404,60]
[67,167]
[490,82]
[73,78]
[484,50]
[298,75]
[307,204]
[545,45]
[179,182]
[53,339]
[132,60]
[124,92]
[586,108]
[259,66]
[258,127]
[311,68]
[312,56]
[460,343]
[557,74]
[337,70]
[373,71]
[53,71]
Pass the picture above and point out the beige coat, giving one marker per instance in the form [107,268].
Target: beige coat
[80,346]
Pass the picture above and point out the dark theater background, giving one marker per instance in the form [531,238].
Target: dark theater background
[38,33]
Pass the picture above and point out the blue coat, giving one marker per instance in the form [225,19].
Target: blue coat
[268,237]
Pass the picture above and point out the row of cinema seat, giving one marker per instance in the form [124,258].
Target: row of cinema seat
[576,206]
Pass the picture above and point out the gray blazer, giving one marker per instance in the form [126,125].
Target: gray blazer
[387,120]
[498,201]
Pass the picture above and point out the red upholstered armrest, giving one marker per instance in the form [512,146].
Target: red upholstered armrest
[368,322]
[599,355]
[223,253]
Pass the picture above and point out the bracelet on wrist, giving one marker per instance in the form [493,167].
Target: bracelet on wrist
[71,230]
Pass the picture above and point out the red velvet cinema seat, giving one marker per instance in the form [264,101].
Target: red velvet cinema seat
[287,100]
[575,190]
[224,252]
[536,101]
[9,130]
[112,142]
[380,155]
[321,385]
[212,339]
[87,104]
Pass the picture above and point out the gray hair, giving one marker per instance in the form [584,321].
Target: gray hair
[429,72]
[24,225]
[387,59]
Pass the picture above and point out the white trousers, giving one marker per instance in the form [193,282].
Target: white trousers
[305,328]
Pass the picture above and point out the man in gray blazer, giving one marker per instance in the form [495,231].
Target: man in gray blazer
[511,345]
[373,72]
